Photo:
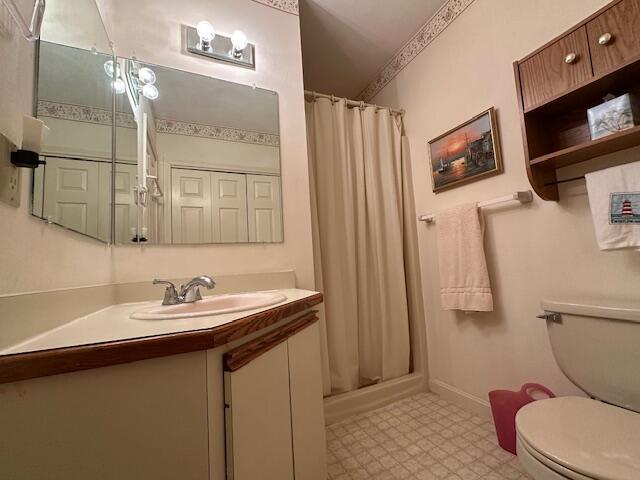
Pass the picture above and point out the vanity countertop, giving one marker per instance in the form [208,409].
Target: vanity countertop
[109,336]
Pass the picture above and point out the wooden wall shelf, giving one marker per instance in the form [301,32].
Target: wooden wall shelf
[560,81]
[591,149]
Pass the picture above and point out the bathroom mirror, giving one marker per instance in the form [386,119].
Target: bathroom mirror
[74,98]
[208,153]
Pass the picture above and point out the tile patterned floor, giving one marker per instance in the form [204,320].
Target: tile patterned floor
[419,438]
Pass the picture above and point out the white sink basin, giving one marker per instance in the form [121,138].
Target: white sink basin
[215,305]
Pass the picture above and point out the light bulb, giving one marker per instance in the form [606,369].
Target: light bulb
[239,41]
[146,75]
[206,33]
[150,91]
[119,86]
[108,68]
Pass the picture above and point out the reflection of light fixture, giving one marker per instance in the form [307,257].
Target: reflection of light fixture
[203,40]
[206,33]
[150,91]
[118,86]
[108,68]
[239,42]
[146,75]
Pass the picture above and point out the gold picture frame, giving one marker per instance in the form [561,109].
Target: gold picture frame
[466,153]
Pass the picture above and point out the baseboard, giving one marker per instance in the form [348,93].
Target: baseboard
[339,407]
[465,400]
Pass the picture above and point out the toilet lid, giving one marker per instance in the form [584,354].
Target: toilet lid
[589,437]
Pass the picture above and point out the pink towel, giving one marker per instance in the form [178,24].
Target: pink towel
[464,278]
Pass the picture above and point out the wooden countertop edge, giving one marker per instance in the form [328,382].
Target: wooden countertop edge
[240,356]
[42,363]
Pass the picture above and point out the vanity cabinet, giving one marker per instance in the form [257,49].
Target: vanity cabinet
[558,83]
[273,406]
[164,418]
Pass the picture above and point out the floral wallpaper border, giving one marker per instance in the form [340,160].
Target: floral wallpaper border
[83,113]
[101,116]
[228,134]
[289,6]
[427,33]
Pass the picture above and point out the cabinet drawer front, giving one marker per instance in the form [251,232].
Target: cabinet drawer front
[612,38]
[557,68]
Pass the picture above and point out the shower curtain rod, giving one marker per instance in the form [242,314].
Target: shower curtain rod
[352,103]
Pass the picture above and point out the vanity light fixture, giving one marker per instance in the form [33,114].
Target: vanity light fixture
[239,42]
[236,49]
[206,34]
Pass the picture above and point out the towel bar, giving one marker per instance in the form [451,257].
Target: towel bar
[525,196]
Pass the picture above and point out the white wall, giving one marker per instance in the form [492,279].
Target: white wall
[547,250]
[35,256]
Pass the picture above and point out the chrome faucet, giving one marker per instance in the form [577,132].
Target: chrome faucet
[189,292]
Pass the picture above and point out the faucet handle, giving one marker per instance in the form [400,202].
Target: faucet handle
[170,293]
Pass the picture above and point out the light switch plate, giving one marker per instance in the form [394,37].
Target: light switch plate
[9,175]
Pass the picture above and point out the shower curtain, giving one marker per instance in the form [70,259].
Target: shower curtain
[364,237]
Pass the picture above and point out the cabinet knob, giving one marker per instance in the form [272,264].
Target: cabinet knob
[570,58]
[605,39]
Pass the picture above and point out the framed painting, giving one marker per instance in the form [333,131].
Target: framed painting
[466,153]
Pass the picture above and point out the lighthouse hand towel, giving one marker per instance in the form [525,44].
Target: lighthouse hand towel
[464,278]
[614,197]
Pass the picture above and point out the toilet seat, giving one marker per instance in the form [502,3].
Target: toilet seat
[578,438]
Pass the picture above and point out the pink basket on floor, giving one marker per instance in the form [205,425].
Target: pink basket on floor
[504,406]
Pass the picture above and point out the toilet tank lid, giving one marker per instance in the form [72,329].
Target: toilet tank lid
[624,313]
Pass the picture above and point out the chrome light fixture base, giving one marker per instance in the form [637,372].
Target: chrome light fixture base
[221,49]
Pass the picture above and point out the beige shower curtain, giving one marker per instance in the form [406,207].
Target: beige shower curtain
[362,206]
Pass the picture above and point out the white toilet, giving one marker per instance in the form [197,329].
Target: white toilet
[598,348]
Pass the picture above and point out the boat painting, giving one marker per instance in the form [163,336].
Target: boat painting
[466,153]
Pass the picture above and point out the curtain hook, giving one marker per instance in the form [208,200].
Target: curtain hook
[362,107]
[333,99]
[314,97]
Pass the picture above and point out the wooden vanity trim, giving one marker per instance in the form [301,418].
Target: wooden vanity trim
[22,366]
[240,356]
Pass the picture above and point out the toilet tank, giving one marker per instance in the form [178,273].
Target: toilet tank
[598,348]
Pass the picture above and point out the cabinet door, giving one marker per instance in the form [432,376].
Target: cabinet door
[190,206]
[229,207]
[559,67]
[265,208]
[613,36]
[307,406]
[258,418]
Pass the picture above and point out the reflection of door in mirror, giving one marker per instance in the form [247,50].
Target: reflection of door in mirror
[74,99]
[208,157]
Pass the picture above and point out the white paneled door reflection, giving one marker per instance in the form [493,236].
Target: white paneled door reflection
[191,206]
[125,213]
[221,207]
[229,207]
[208,207]
[76,194]
[265,208]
